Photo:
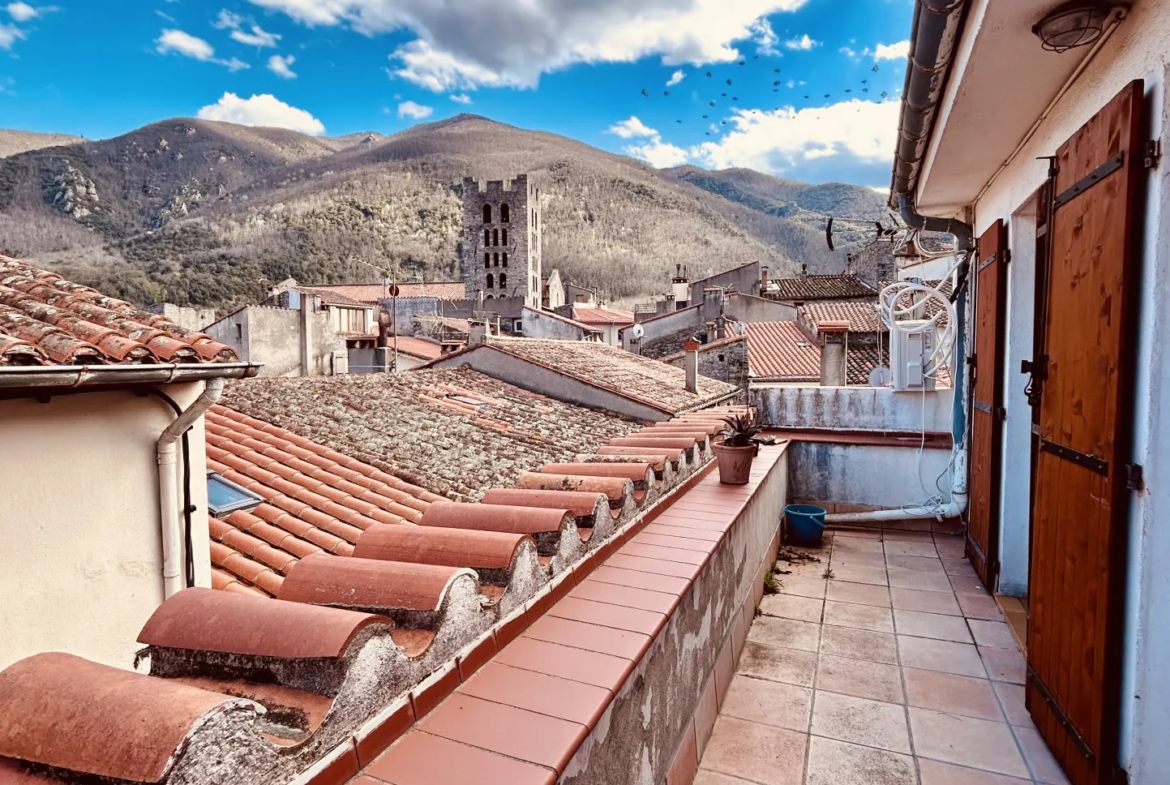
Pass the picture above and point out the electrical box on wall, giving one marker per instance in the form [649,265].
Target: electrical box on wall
[910,355]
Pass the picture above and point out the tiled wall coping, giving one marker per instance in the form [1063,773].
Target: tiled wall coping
[546,679]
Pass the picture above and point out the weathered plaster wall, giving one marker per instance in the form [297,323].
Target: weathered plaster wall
[868,475]
[637,738]
[750,309]
[853,408]
[539,324]
[79,521]
[727,363]
[745,278]
[272,336]
[676,323]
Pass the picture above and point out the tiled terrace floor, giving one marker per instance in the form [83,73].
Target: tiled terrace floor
[897,670]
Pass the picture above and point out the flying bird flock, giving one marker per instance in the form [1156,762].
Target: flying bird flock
[747,76]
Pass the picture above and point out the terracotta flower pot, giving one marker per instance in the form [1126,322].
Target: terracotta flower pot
[735,463]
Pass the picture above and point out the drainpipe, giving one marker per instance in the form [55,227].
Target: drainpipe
[171,514]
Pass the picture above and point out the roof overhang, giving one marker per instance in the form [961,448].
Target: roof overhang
[1002,83]
[73,376]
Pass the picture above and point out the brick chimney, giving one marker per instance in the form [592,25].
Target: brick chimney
[691,364]
[763,280]
[833,368]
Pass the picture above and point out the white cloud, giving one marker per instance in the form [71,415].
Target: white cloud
[261,110]
[628,129]
[9,35]
[532,38]
[801,44]
[778,142]
[441,72]
[675,78]
[413,110]
[848,52]
[765,38]
[227,20]
[281,66]
[184,44]
[257,37]
[655,152]
[659,154]
[898,51]
[461,98]
[196,48]
[22,12]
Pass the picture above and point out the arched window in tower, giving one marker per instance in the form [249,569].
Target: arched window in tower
[490,281]
[487,260]
[487,213]
[495,236]
[496,261]
[504,217]
[487,236]
[503,281]
[505,258]
[505,237]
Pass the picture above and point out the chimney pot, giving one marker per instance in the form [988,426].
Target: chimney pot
[833,348]
[691,364]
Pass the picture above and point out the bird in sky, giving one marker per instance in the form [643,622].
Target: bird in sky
[723,94]
[712,103]
[775,83]
[865,81]
[885,94]
[742,62]
[708,74]
[645,92]
[776,70]
[734,98]
[875,69]
[666,92]
[728,81]
[865,89]
[704,117]
[849,91]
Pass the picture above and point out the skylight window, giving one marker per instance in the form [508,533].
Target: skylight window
[225,496]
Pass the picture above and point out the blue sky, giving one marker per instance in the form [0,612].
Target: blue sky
[99,68]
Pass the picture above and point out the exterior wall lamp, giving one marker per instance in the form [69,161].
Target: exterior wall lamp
[1076,23]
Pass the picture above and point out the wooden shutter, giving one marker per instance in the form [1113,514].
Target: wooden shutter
[987,404]
[1081,498]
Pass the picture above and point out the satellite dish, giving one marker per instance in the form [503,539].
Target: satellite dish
[880,377]
[637,331]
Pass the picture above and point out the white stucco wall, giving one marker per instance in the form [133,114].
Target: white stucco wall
[1140,49]
[79,521]
[853,408]
[869,475]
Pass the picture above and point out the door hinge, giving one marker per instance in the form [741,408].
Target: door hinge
[971,363]
[1134,477]
[1152,154]
[1001,413]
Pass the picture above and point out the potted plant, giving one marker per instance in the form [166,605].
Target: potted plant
[737,448]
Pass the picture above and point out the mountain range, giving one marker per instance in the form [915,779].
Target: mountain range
[208,213]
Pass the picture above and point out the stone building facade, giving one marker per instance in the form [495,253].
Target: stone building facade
[502,239]
[725,359]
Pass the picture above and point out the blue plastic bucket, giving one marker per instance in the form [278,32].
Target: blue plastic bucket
[806,524]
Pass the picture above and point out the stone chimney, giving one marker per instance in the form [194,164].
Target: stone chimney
[833,368]
[691,364]
[804,271]
[478,333]
[308,309]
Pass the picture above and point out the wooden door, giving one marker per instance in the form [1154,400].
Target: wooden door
[987,404]
[1080,498]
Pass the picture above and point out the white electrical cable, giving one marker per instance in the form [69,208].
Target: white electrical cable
[895,315]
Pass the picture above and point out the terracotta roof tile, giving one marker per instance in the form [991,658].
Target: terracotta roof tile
[590,315]
[819,287]
[782,351]
[417,347]
[611,368]
[389,421]
[861,316]
[114,723]
[71,324]
[370,293]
